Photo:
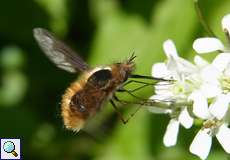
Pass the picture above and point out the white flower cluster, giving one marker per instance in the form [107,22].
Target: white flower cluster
[199,90]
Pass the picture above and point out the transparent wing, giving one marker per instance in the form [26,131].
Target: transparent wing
[64,57]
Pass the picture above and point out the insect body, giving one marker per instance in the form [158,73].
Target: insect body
[96,85]
[86,96]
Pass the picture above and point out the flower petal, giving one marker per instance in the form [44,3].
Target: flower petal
[210,78]
[200,105]
[199,61]
[220,106]
[163,89]
[170,49]
[173,68]
[161,99]
[227,70]
[185,66]
[210,90]
[221,61]
[158,110]
[226,22]
[185,119]
[204,45]
[170,137]
[201,144]
[210,71]
[223,137]
[159,70]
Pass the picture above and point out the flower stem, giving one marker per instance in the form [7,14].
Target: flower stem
[202,20]
[227,36]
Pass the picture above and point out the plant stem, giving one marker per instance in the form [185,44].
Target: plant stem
[202,20]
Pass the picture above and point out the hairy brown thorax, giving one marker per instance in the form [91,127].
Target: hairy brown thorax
[86,96]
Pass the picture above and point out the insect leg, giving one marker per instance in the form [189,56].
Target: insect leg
[118,112]
[132,114]
[138,88]
[131,94]
[132,81]
[124,102]
[147,77]
[120,115]
[120,101]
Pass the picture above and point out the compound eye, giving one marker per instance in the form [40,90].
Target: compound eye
[100,78]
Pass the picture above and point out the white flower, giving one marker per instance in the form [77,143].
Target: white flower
[210,44]
[202,87]
[200,62]
[215,79]
[170,136]
[176,68]
[221,62]
[193,83]
[200,105]
[185,119]
[220,106]
[207,44]
[202,142]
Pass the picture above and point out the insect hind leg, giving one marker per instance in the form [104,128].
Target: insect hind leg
[124,121]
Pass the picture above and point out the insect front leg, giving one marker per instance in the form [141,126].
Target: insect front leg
[144,84]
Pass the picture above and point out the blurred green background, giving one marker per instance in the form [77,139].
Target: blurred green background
[103,32]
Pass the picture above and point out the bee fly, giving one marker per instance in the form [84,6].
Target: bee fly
[85,96]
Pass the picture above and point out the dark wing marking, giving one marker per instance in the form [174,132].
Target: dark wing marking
[64,57]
